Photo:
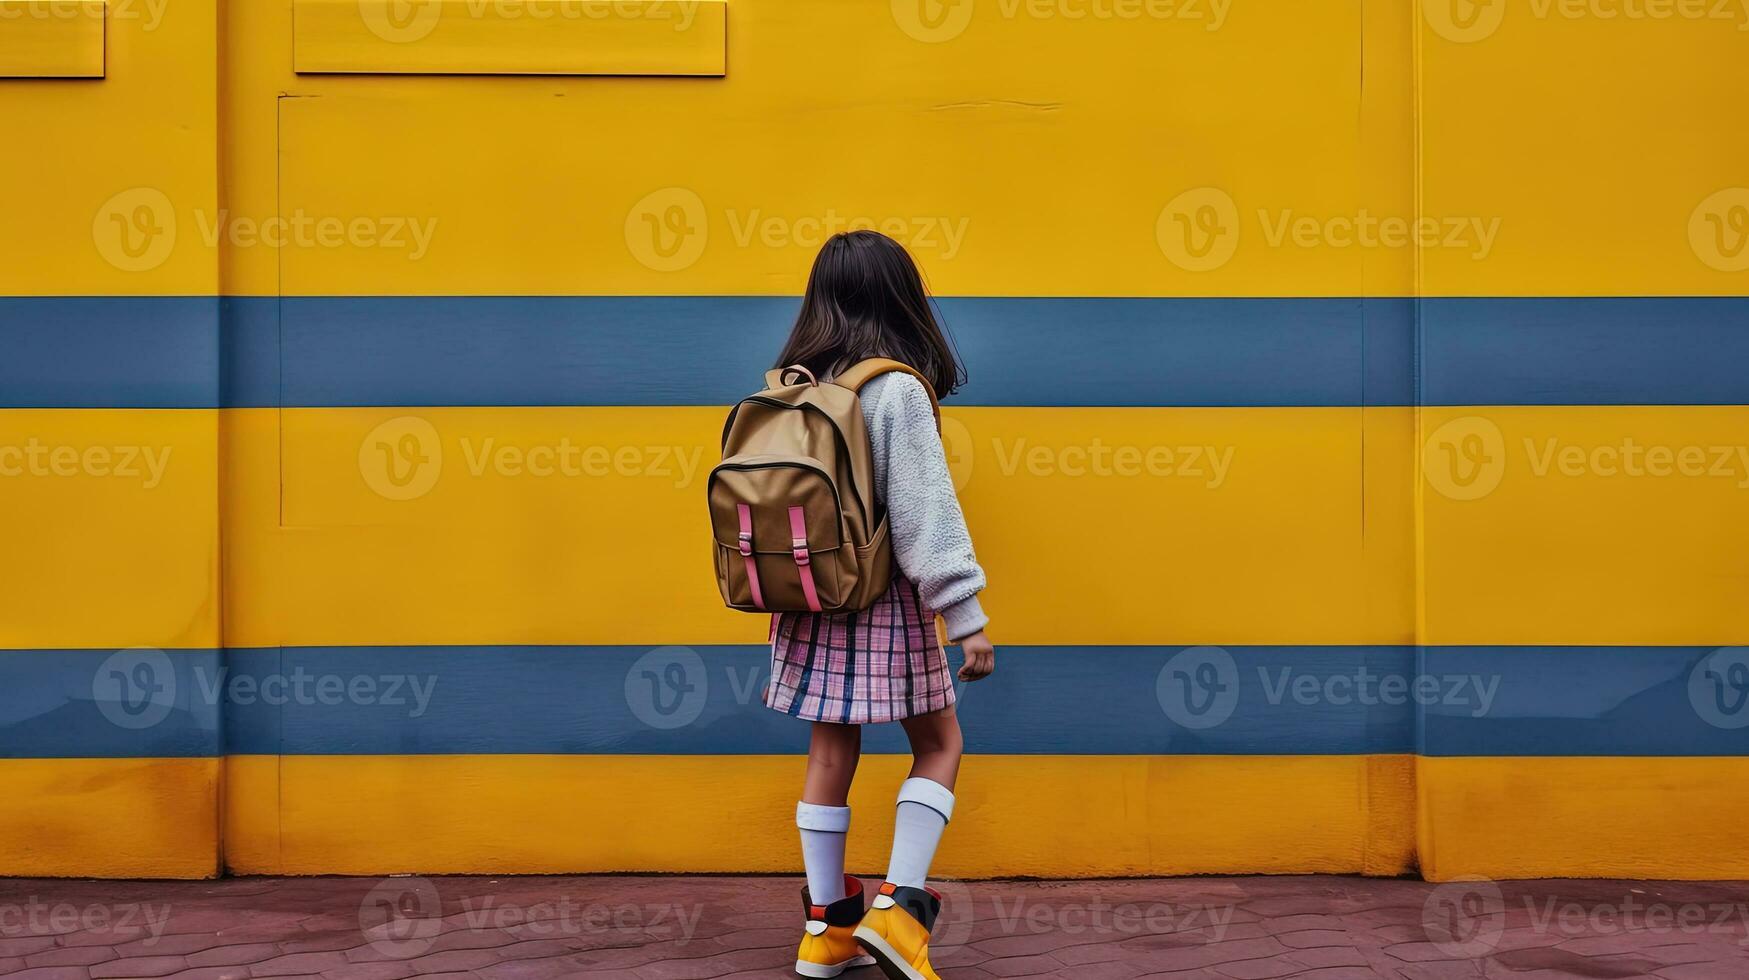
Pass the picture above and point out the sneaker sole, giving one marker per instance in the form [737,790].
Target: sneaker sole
[822,971]
[886,957]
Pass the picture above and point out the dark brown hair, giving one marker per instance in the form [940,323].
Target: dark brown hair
[866,299]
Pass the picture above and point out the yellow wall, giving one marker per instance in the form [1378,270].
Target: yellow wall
[1023,153]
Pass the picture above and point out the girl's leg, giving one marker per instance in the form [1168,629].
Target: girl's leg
[833,753]
[936,746]
[822,815]
[926,798]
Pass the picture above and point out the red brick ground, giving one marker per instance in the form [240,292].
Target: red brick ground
[670,928]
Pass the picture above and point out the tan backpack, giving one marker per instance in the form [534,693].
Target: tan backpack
[793,504]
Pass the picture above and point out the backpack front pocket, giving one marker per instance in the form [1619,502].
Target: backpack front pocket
[778,529]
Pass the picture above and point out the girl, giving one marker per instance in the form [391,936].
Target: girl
[866,299]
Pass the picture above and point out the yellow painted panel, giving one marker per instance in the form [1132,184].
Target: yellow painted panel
[1388,515]
[112,528]
[514,37]
[1272,112]
[1607,140]
[1016,815]
[1584,817]
[51,40]
[109,818]
[250,815]
[638,186]
[548,525]
[126,206]
[1586,525]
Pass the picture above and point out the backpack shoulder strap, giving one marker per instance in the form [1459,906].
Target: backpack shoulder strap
[862,372]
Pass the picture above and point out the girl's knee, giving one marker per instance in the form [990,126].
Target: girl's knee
[835,745]
[938,736]
[828,760]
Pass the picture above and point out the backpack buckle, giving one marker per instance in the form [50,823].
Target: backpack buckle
[746,543]
[799,550]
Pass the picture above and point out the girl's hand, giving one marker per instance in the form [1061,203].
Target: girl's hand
[980,657]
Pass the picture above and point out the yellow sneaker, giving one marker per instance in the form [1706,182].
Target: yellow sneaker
[829,940]
[896,931]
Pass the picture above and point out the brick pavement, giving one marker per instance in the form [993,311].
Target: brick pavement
[693,928]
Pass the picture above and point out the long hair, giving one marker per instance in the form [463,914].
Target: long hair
[866,299]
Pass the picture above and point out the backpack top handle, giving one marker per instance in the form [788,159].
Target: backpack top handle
[862,372]
[780,377]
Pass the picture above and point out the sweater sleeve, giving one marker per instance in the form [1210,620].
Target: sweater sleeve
[928,529]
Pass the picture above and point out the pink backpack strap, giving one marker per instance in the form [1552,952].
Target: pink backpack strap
[745,513]
[798,532]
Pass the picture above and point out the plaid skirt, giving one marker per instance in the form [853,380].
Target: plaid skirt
[880,664]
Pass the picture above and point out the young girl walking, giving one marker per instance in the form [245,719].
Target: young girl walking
[866,299]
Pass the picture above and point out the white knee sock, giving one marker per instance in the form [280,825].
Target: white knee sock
[925,806]
[824,829]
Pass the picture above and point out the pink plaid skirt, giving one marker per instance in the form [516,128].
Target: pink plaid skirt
[883,663]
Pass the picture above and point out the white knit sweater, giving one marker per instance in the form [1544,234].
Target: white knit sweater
[928,530]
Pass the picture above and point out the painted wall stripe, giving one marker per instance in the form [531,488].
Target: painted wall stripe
[108,704]
[110,352]
[1567,701]
[1585,351]
[415,351]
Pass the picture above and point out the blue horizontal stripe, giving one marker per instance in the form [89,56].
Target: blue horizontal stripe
[1585,351]
[1314,700]
[108,704]
[166,352]
[109,352]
